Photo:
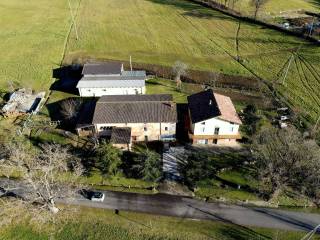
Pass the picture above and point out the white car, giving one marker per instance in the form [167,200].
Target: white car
[97,197]
[284,118]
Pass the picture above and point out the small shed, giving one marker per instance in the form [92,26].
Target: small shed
[23,101]
[121,138]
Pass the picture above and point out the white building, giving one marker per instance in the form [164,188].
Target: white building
[110,79]
[213,119]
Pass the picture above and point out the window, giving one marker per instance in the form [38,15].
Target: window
[216,131]
[134,138]
[215,141]
[206,141]
[89,90]
[203,123]
[104,128]
[104,90]
[145,129]
[146,138]
[166,128]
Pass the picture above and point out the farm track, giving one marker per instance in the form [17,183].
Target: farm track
[305,82]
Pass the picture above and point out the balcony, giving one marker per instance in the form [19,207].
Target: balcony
[168,137]
[212,137]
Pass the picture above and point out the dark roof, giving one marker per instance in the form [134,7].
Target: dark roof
[137,98]
[102,68]
[121,136]
[203,106]
[206,105]
[135,109]
[86,112]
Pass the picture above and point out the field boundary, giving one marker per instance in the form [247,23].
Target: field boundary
[232,13]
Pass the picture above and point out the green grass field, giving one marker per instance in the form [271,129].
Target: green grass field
[275,7]
[161,32]
[95,224]
[32,39]
[151,31]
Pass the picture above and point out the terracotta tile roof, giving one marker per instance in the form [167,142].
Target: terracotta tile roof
[206,105]
[227,109]
[121,135]
[135,109]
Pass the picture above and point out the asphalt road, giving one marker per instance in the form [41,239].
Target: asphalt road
[184,207]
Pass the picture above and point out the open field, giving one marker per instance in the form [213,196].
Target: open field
[162,32]
[32,40]
[274,7]
[152,31]
[104,224]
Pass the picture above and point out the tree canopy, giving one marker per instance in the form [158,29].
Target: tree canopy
[285,159]
[108,158]
[149,165]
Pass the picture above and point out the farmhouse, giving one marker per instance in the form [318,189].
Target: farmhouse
[213,119]
[100,79]
[131,118]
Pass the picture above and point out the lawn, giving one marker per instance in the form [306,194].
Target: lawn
[275,7]
[104,224]
[161,32]
[151,31]
[32,40]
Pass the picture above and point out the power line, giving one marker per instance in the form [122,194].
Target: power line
[73,20]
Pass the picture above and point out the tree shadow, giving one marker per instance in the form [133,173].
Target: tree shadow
[316,3]
[67,79]
[193,9]
[55,114]
[236,231]
[285,218]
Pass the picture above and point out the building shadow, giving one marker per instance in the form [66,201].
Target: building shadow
[182,123]
[55,113]
[67,78]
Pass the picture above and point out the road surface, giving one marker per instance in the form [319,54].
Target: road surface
[184,207]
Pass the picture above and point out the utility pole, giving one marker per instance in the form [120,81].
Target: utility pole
[130,63]
[73,20]
[311,28]
[287,70]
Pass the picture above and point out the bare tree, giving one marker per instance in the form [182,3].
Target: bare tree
[257,4]
[70,108]
[213,79]
[179,68]
[285,159]
[46,174]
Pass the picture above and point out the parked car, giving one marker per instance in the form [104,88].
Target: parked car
[286,25]
[284,118]
[97,197]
